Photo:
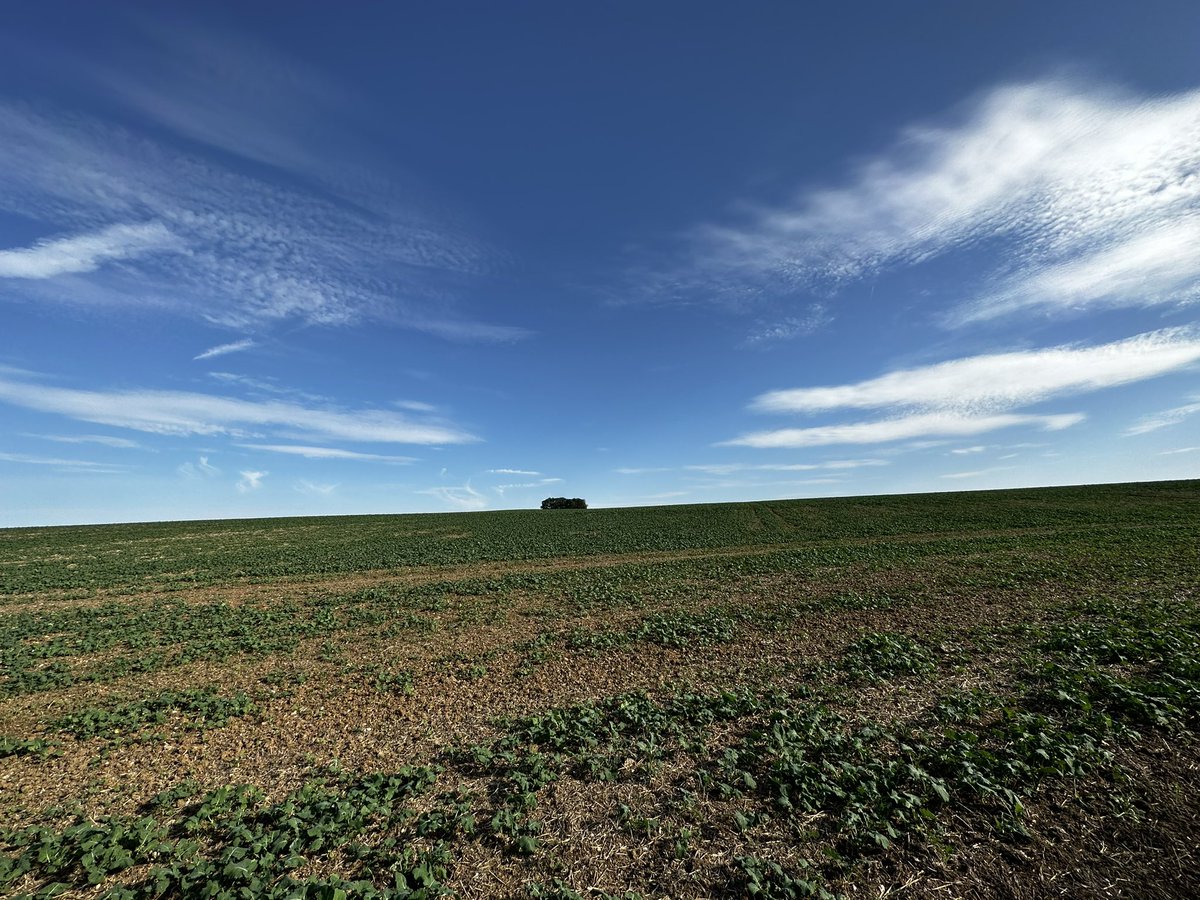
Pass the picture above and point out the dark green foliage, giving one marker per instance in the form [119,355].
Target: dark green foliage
[770,881]
[231,845]
[10,746]
[879,655]
[672,629]
[564,503]
[200,707]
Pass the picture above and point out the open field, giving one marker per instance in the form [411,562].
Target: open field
[957,695]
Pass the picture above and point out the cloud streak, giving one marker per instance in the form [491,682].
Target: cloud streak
[189,413]
[103,439]
[85,252]
[319,490]
[1001,380]
[1164,419]
[250,251]
[948,424]
[528,485]
[82,465]
[1092,193]
[730,468]
[329,453]
[975,395]
[462,497]
[1150,268]
[223,349]
[978,472]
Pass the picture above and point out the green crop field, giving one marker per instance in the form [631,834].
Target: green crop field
[986,694]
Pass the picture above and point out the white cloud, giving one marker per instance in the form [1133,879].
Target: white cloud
[257,250]
[222,349]
[415,406]
[66,464]
[747,484]
[945,423]
[1146,268]
[977,472]
[86,252]
[1001,380]
[1061,165]
[102,439]
[320,490]
[461,497]
[730,468]
[501,488]
[642,471]
[262,386]
[528,472]
[817,316]
[201,469]
[1090,193]
[1179,450]
[963,451]
[182,413]
[250,481]
[329,453]
[1164,419]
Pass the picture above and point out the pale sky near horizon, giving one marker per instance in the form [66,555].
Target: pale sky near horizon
[312,259]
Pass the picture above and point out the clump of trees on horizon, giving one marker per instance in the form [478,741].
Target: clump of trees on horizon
[564,503]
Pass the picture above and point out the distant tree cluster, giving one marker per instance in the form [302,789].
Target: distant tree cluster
[564,503]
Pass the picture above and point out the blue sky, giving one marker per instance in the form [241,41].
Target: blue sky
[400,257]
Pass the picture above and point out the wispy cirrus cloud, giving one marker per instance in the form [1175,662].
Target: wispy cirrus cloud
[462,497]
[320,490]
[977,472]
[330,453]
[900,428]
[80,465]
[191,413]
[527,485]
[228,91]
[1001,380]
[200,469]
[816,317]
[104,440]
[326,249]
[223,349]
[262,386]
[251,480]
[415,405]
[1090,190]
[1164,419]
[86,252]
[973,395]
[528,472]
[1150,267]
[730,468]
